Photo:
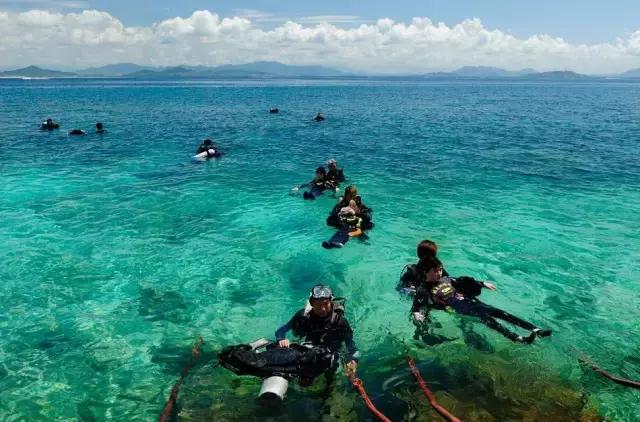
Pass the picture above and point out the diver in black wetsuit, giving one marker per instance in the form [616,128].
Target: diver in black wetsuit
[322,323]
[319,117]
[334,174]
[100,128]
[459,294]
[318,185]
[410,277]
[49,124]
[363,211]
[208,147]
[350,226]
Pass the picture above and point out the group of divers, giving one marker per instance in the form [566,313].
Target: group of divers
[321,326]
[50,124]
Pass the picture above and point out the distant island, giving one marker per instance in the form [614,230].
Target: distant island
[275,70]
[36,72]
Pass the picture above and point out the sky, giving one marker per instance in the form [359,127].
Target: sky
[393,36]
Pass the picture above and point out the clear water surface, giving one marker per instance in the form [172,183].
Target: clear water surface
[117,251]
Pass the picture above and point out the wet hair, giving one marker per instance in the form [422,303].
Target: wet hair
[350,193]
[427,264]
[321,170]
[427,248]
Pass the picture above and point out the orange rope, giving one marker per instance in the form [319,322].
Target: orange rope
[432,398]
[358,385]
[622,381]
[168,407]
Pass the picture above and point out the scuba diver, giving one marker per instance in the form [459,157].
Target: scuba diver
[322,323]
[350,226]
[334,174]
[318,185]
[274,110]
[319,117]
[207,150]
[49,124]
[460,295]
[324,328]
[77,132]
[362,211]
[409,279]
[100,128]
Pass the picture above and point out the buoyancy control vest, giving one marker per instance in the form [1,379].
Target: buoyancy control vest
[296,361]
[329,331]
[444,293]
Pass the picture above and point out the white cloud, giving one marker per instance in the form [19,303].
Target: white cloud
[90,38]
[331,19]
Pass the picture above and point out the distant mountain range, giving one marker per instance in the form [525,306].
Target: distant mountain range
[270,70]
[488,72]
[36,72]
[112,70]
[249,70]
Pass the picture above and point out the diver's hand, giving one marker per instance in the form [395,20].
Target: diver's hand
[489,285]
[418,317]
[350,367]
[283,343]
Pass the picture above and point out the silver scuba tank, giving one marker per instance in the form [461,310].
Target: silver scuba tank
[273,390]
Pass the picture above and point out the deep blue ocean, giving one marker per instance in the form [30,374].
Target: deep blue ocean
[118,250]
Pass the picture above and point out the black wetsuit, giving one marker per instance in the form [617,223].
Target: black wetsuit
[365,213]
[410,279]
[204,148]
[317,188]
[460,295]
[336,176]
[330,331]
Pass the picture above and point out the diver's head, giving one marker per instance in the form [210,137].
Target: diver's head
[49,121]
[427,248]
[207,142]
[332,164]
[350,193]
[321,300]
[321,172]
[99,126]
[430,268]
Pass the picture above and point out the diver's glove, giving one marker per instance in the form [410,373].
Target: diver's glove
[419,318]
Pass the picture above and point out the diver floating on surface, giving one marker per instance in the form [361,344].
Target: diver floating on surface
[274,110]
[351,217]
[350,226]
[207,150]
[410,278]
[77,132]
[100,128]
[318,185]
[335,174]
[323,324]
[319,117]
[49,124]
[460,295]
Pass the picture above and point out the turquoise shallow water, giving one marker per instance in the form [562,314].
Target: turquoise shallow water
[117,251]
